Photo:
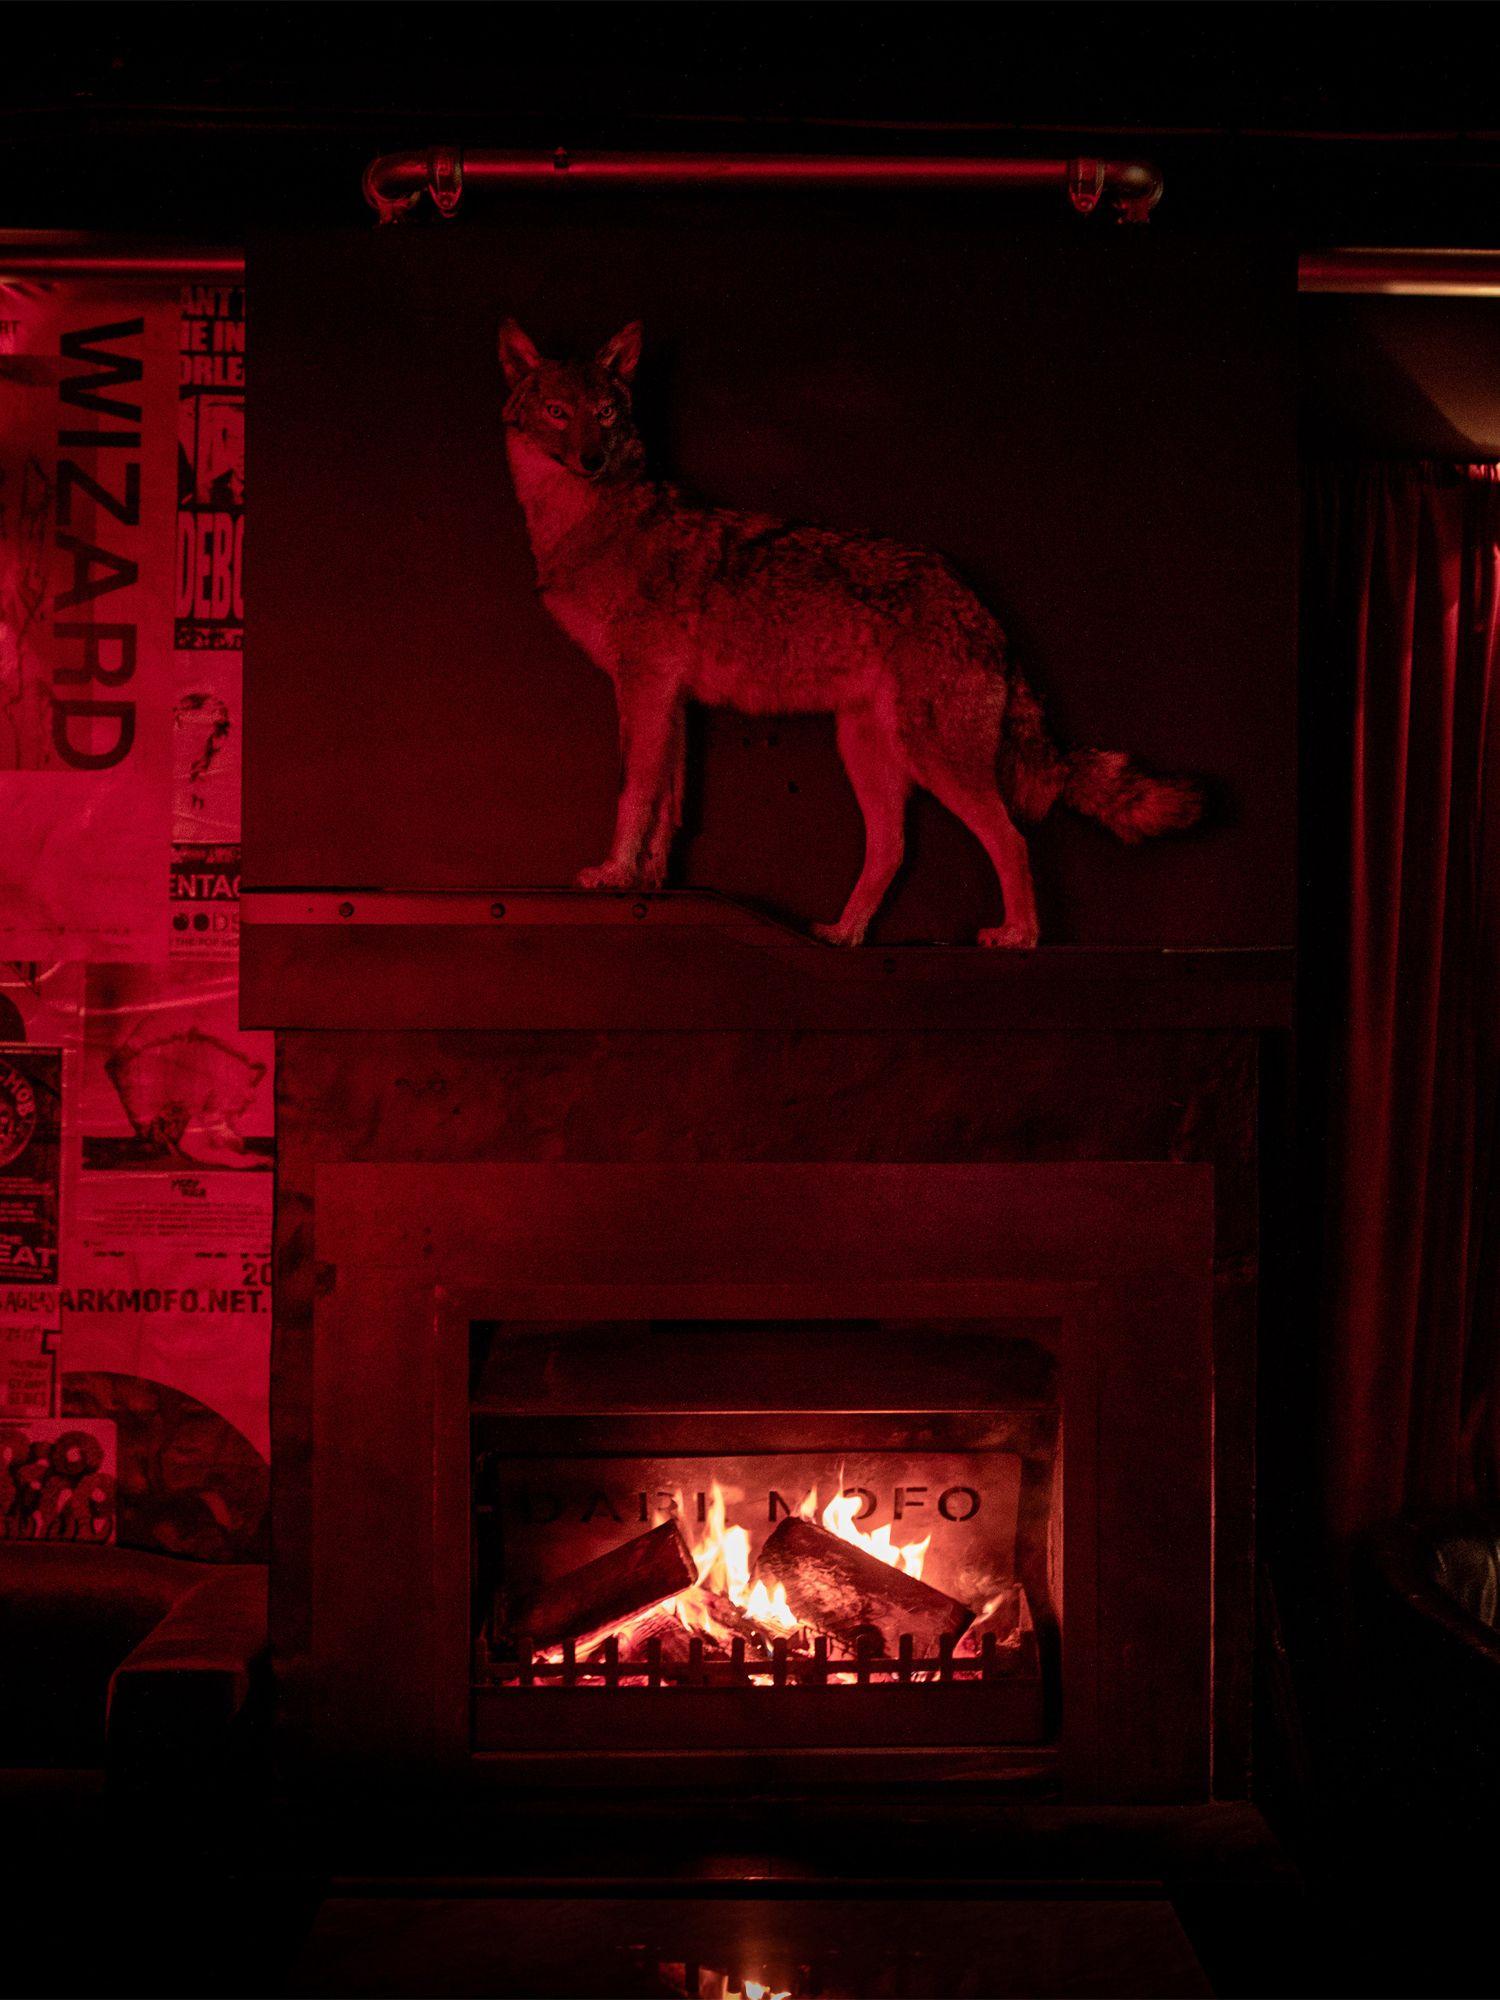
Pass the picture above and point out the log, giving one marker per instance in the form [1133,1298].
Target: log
[677,1638]
[626,1579]
[840,1589]
[738,1624]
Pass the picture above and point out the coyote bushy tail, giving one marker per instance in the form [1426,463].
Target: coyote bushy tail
[1106,785]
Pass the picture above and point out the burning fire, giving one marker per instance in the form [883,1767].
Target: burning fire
[722,1554]
[714,1984]
[729,1602]
[839,1517]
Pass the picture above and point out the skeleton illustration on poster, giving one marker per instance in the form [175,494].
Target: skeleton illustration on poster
[170,1079]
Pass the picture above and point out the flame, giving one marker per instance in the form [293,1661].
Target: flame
[716,1985]
[840,1517]
[728,1601]
[722,1554]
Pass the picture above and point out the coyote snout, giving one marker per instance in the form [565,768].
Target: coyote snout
[681,602]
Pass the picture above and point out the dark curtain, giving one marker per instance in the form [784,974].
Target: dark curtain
[1401,839]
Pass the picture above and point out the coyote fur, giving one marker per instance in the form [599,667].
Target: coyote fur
[677,601]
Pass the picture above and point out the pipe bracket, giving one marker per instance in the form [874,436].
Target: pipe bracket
[445,179]
[1086,183]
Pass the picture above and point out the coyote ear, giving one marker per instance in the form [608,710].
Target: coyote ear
[621,356]
[518,355]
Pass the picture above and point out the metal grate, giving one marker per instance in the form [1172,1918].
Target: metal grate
[780,1667]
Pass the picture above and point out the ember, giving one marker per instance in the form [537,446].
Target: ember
[704,1982]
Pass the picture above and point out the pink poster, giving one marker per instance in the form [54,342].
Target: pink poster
[88,421]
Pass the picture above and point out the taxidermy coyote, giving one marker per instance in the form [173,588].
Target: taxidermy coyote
[678,602]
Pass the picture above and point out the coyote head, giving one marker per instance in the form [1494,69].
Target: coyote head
[577,412]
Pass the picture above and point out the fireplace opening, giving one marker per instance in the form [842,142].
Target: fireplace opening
[780,1532]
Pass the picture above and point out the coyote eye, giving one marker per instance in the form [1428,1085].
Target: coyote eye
[606,413]
[558,412]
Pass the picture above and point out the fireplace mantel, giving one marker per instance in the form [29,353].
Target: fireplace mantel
[687,959]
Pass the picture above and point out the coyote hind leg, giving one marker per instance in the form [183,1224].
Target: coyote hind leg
[958,767]
[985,815]
[876,768]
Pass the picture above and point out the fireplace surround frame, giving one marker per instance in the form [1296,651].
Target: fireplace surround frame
[1005,1714]
[410,1256]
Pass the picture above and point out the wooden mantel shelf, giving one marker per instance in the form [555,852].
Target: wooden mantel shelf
[686,959]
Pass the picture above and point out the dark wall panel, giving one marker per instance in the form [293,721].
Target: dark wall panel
[1400,377]
[1096,423]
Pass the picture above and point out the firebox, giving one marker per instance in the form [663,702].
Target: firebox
[657,1473]
[764,1534]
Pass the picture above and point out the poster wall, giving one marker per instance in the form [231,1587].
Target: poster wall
[136,1137]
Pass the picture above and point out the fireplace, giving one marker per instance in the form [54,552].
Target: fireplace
[653,1214]
[578,1427]
[803,1532]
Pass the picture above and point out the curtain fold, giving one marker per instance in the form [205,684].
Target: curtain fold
[1399,976]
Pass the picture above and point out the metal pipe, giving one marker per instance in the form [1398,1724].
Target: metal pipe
[1434,274]
[395,182]
[44,253]
[1353,272]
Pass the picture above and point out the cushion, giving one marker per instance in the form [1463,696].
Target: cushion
[1464,1562]
[69,1614]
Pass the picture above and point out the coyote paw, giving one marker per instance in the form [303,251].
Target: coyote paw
[1011,937]
[608,875]
[836,934]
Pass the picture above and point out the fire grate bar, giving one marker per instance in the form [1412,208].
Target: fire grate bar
[603,1668]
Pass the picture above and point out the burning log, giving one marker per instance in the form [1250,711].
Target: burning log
[839,1589]
[715,1627]
[613,1587]
[661,1624]
[731,1622]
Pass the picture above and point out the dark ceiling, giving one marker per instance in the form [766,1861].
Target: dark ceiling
[1335,121]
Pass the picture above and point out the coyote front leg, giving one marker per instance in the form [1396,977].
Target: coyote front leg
[651,741]
[667,817]
[876,769]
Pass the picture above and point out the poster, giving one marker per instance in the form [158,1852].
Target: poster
[41,1019]
[135,1220]
[58,1480]
[28,1351]
[209,599]
[209,613]
[30,1163]
[31,1152]
[166,1312]
[87,420]
[170,1079]
[205,899]
[166,1303]
[194,1319]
